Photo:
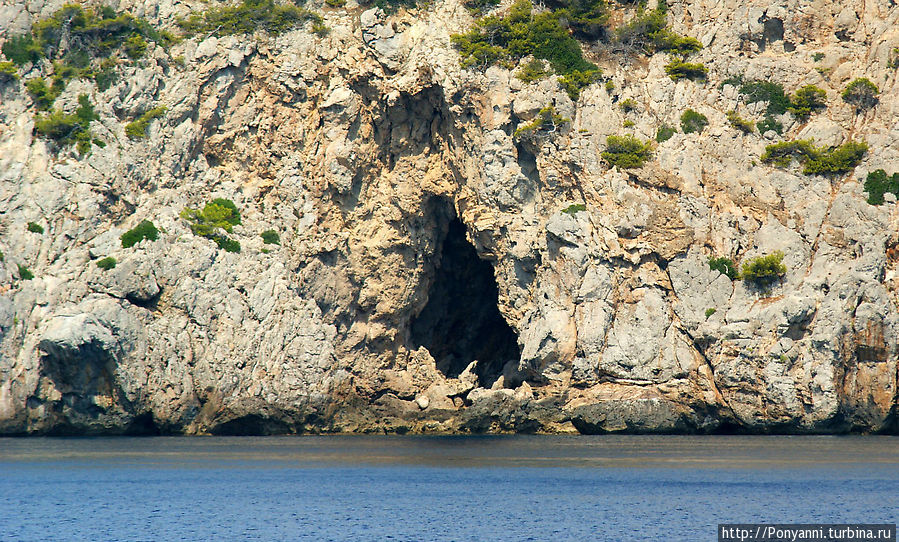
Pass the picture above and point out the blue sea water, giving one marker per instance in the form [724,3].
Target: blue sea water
[618,488]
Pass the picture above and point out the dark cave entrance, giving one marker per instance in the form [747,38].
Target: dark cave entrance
[461,322]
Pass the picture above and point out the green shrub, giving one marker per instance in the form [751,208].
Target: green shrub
[576,80]
[270,237]
[74,39]
[25,273]
[226,243]
[641,32]
[546,122]
[769,123]
[34,227]
[841,159]
[781,154]
[532,71]
[693,121]
[610,86]
[806,100]
[42,95]
[477,7]
[8,73]
[628,124]
[763,91]
[67,129]
[818,57]
[335,3]
[144,230]
[137,129]
[677,70]
[664,133]
[710,312]
[879,183]
[216,216]
[626,151]
[725,266]
[738,122]
[22,49]
[861,93]
[501,40]
[628,105]
[246,18]
[107,263]
[574,209]
[817,160]
[764,270]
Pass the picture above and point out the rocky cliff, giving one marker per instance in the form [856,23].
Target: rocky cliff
[437,270]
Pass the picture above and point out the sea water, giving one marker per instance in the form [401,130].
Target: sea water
[618,488]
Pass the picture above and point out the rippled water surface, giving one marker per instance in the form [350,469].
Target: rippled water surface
[438,488]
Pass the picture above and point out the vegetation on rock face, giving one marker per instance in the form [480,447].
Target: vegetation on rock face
[879,183]
[270,237]
[725,266]
[738,122]
[574,209]
[34,227]
[840,159]
[817,160]
[246,18]
[693,121]
[546,123]
[533,71]
[806,100]
[678,69]
[107,263]
[80,43]
[781,154]
[664,133]
[861,93]
[137,128]
[502,40]
[66,129]
[764,270]
[144,230]
[8,73]
[25,273]
[626,151]
[216,216]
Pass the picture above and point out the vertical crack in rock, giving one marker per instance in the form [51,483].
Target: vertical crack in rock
[461,322]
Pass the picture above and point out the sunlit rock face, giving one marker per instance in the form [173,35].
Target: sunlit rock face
[436,273]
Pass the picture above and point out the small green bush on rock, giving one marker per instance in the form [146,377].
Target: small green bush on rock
[270,237]
[725,266]
[144,230]
[25,273]
[841,159]
[677,70]
[137,129]
[34,227]
[546,123]
[664,133]
[764,270]
[246,18]
[807,100]
[107,263]
[861,93]
[738,122]
[68,130]
[8,73]
[693,121]
[574,209]
[626,151]
[879,183]
[216,216]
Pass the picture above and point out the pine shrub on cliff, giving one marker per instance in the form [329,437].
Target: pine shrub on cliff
[215,217]
[246,18]
[627,151]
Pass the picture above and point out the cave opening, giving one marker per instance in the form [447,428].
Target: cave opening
[461,322]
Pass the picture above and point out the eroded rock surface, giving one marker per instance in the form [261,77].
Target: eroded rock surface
[363,148]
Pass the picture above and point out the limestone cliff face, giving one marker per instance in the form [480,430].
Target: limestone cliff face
[395,182]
